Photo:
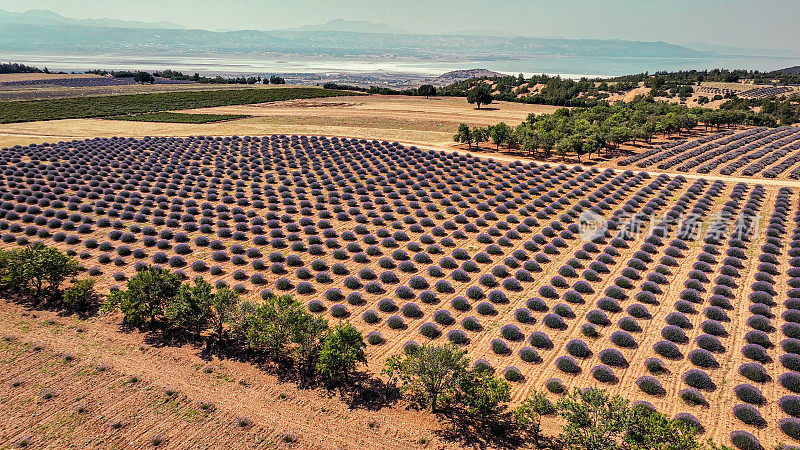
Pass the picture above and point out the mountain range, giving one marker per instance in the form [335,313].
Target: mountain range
[47,17]
[46,31]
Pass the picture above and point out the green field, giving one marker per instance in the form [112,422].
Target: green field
[173,117]
[130,104]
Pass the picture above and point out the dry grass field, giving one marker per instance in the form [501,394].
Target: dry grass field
[415,245]
[413,120]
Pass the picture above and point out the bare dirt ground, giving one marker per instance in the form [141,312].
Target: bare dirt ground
[8,77]
[111,390]
[412,120]
[320,419]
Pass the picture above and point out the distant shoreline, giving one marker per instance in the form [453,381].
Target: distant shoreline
[249,64]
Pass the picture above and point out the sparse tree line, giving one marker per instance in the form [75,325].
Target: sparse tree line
[439,378]
[147,77]
[42,272]
[585,131]
[280,327]
[426,90]
[20,68]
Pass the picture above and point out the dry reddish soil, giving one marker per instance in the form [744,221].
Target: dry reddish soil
[413,120]
[119,389]
[169,366]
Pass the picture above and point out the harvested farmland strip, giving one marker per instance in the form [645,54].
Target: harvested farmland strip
[172,117]
[116,105]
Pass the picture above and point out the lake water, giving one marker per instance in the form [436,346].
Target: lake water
[566,66]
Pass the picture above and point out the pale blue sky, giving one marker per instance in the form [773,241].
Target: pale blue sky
[753,23]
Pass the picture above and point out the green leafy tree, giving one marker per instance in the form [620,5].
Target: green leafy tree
[144,77]
[480,95]
[81,295]
[222,308]
[648,430]
[483,393]
[530,412]
[593,144]
[191,307]
[464,135]
[341,351]
[431,374]
[145,295]
[500,134]
[240,320]
[308,337]
[272,324]
[593,421]
[37,266]
[427,90]
[480,134]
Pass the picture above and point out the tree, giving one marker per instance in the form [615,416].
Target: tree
[530,412]
[648,430]
[500,134]
[593,144]
[480,134]
[593,420]
[81,295]
[341,350]
[36,266]
[480,95]
[221,309]
[482,392]
[144,77]
[308,336]
[431,374]
[427,90]
[274,79]
[464,135]
[191,307]
[272,323]
[145,295]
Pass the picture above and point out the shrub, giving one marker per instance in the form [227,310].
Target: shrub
[623,339]
[629,324]
[471,324]
[485,309]
[396,323]
[603,374]
[554,321]
[754,372]
[791,427]
[339,311]
[667,349]
[567,364]
[790,404]
[555,386]
[540,340]
[597,317]
[790,380]
[750,394]
[578,348]
[650,385]
[316,306]
[692,396]
[745,441]
[748,414]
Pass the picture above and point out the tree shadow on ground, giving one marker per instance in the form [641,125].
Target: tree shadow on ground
[466,430]
[363,391]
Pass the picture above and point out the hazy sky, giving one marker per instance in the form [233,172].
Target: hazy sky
[751,23]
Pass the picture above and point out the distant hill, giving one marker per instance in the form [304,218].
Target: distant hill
[467,74]
[740,51]
[795,69]
[47,17]
[46,31]
[350,26]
